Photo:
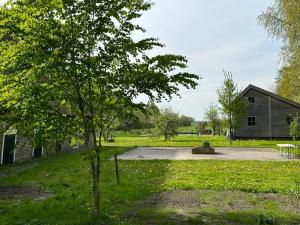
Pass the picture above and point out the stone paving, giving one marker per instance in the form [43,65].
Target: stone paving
[185,153]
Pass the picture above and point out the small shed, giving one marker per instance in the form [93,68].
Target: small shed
[16,148]
[268,115]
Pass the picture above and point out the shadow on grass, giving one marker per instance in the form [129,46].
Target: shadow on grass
[211,216]
[68,177]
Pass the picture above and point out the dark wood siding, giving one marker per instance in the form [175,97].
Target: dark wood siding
[280,112]
[260,110]
[271,117]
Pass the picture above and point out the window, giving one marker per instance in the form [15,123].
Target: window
[251,99]
[251,121]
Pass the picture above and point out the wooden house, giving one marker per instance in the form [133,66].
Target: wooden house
[268,115]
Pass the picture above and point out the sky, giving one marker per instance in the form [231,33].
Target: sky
[214,35]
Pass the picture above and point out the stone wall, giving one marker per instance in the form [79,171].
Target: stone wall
[23,151]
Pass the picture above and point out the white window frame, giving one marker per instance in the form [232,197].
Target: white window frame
[2,149]
[32,154]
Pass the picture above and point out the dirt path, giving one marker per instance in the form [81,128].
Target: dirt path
[10,192]
[217,207]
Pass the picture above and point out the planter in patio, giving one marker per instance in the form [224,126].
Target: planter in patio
[201,150]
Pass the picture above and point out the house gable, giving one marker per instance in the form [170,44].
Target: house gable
[267,114]
[268,93]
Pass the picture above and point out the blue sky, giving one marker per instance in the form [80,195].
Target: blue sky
[214,35]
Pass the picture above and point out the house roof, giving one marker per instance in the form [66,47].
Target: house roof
[268,93]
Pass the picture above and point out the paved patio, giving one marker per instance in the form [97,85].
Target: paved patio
[185,153]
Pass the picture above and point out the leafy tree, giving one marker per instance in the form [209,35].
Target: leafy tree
[281,20]
[145,115]
[202,127]
[288,82]
[72,65]
[166,123]
[232,105]
[31,103]
[139,119]
[221,125]
[185,121]
[212,115]
[131,122]
[294,127]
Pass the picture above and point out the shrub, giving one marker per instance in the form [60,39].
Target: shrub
[266,220]
[206,144]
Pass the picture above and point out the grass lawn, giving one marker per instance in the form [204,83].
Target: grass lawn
[125,139]
[192,128]
[155,192]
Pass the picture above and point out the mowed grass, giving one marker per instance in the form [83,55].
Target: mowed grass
[127,139]
[192,128]
[68,177]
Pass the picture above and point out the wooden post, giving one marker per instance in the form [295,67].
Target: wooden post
[117,169]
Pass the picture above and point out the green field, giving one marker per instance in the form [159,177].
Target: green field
[192,128]
[127,139]
[227,192]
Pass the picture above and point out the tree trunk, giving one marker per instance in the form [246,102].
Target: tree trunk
[96,190]
[230,128]
[97,187]
[95,166]
[230,134]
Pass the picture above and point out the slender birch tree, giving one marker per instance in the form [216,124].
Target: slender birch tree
[282,21]
[233,106]
[212,115]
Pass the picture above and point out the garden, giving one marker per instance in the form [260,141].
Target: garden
[72,73]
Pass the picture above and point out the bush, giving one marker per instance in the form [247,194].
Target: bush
[206,144]
[266,220]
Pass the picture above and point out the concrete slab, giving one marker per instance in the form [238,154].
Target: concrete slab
[185,153]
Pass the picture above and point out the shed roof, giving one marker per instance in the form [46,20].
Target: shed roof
[268,93]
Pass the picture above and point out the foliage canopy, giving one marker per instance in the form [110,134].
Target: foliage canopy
[72,67]
[281,20]
[233,107]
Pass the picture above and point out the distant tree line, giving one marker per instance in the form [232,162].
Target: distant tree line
[153,117]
